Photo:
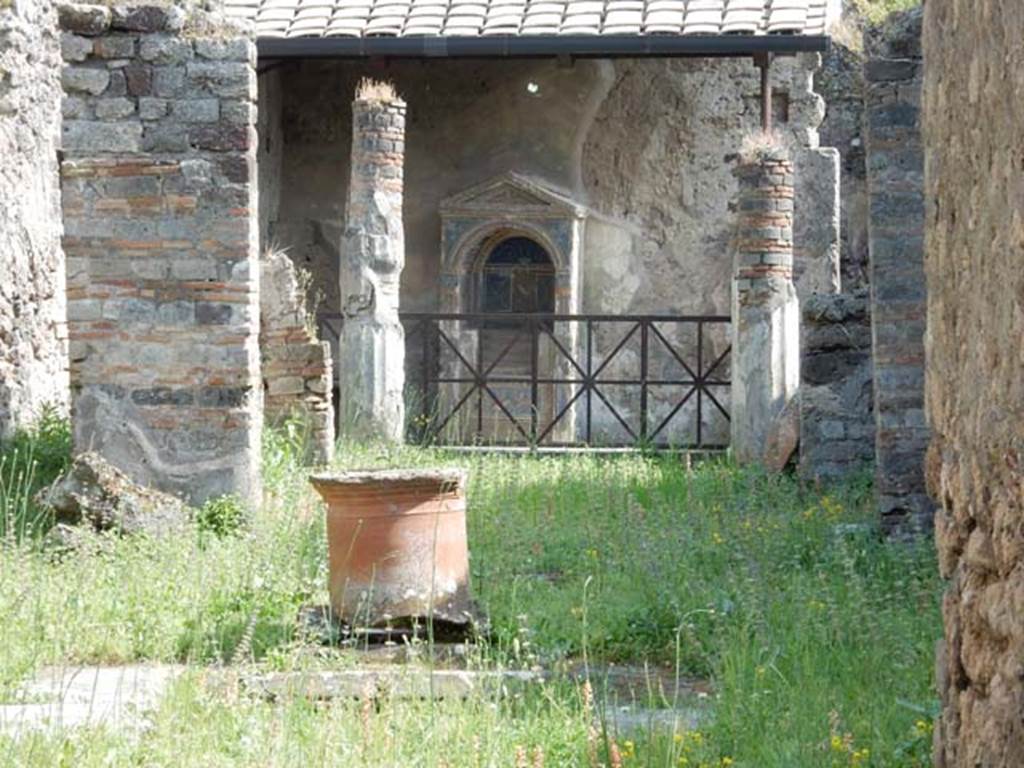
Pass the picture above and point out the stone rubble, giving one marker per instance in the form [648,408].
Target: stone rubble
[296,368]
[836,414]
[95,495]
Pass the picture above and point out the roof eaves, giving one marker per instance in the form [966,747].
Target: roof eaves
[540,46]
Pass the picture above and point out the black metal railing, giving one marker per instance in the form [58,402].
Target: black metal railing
[477,378]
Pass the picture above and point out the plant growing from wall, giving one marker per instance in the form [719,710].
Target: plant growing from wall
[875,11]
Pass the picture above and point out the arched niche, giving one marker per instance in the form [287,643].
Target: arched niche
[474,222]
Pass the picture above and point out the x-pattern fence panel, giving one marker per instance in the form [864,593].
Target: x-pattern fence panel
[641,371]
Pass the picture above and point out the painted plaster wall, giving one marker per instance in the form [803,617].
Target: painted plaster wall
[457,135]
[648,146]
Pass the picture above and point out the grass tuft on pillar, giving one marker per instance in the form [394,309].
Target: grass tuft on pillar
[379,91]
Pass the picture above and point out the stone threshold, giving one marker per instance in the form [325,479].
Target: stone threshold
[66,698]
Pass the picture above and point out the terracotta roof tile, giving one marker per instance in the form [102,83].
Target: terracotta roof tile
[399,18]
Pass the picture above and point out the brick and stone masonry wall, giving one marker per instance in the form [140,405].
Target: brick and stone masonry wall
[766,323]
[896,240]
[371,353]
[160,235]
[33,330]
[837,422]
[296,367]
[974,139]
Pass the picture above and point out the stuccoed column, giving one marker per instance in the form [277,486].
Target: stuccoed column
[766,312]
[372,350]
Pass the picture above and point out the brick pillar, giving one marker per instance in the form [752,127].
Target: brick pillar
[371,357]
[159,200]
[895,161]
[766,314]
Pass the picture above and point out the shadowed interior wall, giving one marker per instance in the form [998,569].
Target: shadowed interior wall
[648,146]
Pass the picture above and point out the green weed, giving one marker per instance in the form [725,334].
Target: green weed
[32,459]
[809,627]
[221,516]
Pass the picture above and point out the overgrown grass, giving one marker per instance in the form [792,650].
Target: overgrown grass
[816,636]
[29,461]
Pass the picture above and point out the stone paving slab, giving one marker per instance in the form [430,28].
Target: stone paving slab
[394,683]
[627,720]
[122,697]
[76,697]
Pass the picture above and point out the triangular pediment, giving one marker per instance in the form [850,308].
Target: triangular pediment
[507,194]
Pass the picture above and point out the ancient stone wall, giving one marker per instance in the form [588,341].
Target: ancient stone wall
[896,239]
[656,168]
[160,234]
[837,421]
[841,84]
[974,138]
[296,367]
[33,331]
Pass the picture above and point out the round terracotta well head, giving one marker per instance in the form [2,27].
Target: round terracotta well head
[396,544]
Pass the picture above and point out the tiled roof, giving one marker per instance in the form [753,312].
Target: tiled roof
[475,18]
